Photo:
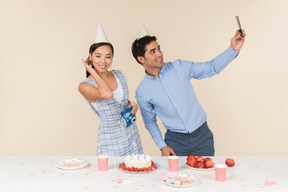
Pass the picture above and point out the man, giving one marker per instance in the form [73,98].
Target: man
[166,92]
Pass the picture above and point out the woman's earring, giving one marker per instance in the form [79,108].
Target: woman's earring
[90,63]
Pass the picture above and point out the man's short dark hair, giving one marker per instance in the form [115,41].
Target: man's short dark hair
[139,46]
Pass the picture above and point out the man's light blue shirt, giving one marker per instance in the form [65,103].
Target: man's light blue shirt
[171,96]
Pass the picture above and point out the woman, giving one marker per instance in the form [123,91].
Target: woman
[107,94]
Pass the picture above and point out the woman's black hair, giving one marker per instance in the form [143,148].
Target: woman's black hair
[93,47]
[139,46]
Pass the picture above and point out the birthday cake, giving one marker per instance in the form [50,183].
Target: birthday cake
[138,161]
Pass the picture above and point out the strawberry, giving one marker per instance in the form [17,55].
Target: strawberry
[121,165]
[154,166]
[132,169]
[127,168]
[136,170]
[123,168]
[145,169]
[140,169]
[149,168]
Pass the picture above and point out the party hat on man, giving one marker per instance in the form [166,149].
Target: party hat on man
[144,32]
[100,35]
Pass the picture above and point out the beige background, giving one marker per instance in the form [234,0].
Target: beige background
[42,43]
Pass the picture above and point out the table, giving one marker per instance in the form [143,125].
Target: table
[39,174]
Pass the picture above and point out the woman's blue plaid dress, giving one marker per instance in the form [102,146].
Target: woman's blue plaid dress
[113,139]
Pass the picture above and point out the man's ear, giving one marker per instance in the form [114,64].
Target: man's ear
[141,59]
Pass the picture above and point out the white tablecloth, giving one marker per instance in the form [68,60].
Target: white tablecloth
[39,174]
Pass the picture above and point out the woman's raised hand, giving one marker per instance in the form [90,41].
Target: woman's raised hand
[87,66]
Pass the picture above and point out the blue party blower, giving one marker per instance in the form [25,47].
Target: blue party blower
[127,117]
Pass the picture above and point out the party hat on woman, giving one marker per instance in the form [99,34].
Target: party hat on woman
[100,35]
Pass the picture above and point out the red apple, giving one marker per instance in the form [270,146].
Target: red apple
[190,157]
[200,165]
[230,162]
[200,158]
[207,159]
[192,162]
[209,164]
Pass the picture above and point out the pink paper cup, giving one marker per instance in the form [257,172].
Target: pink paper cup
[220,172]
[173,163]
[102,162]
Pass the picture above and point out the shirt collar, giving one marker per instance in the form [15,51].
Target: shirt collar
[149,77]
[162,72]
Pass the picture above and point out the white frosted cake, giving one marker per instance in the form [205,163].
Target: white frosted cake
[138,161]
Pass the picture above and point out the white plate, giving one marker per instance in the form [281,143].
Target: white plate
[71,163]
[133,172]
[197,169]
[195,181]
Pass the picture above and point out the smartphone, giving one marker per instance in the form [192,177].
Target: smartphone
[239,26]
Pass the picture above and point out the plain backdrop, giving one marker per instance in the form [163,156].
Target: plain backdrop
[42,43]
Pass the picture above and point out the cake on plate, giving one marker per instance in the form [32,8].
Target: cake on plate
[138,163]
